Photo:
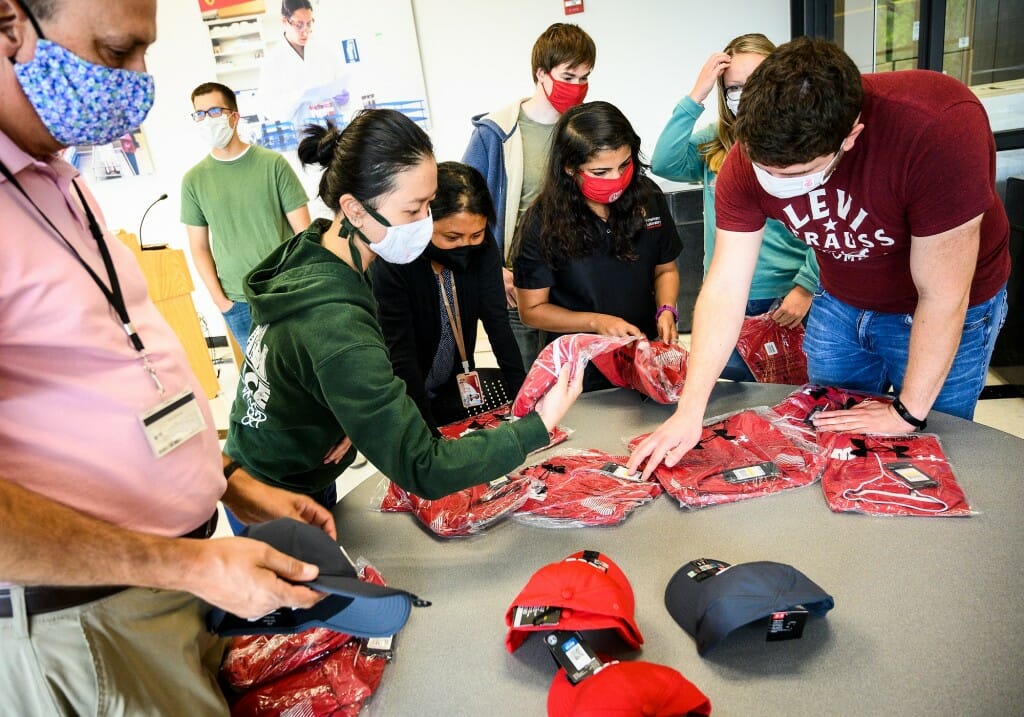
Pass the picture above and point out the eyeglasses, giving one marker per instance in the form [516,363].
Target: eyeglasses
[212,112]
[302,26]
[733,93]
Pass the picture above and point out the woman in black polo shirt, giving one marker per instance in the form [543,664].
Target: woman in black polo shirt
[597,248]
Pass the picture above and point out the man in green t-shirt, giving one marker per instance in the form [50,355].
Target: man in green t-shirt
[237,204]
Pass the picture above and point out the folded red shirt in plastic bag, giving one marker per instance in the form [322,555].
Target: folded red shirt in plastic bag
[743,455]
[493,418]
[336,685]
[890,475]
[255,659]
[809,399]
[575,350]
[772,353]
[463,513]
[654,368]
[583,488]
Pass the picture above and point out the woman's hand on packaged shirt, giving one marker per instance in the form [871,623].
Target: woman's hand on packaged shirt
[667,331]
[608,325]
[553,406]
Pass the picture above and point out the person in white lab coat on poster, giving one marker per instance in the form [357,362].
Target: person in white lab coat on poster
[301,75]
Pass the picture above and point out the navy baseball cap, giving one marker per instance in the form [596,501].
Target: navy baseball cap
[710,598]
[352,606]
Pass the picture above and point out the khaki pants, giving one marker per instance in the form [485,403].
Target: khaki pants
[138,652]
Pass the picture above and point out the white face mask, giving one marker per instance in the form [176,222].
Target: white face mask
[789,187]
[733,104]
[402,244]
[216,132]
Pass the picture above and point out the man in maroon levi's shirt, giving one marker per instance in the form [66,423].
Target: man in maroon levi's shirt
[891,179]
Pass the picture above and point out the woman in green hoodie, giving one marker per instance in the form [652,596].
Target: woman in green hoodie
[317,383]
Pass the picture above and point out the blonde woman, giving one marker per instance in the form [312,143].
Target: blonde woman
[787,271]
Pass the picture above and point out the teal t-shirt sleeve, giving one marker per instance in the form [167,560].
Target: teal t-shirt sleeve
[191,213]
[289,188]
[675,154]
[375,412]
[807,277]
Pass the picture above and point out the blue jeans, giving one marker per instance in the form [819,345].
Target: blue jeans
[867,350]
[327,497]
[735,368]
[239,322]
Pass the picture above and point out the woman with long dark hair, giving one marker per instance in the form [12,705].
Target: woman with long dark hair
[597,249]
[429,309]
[317,383]
[787,270]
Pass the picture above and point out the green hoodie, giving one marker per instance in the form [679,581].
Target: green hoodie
[317,370]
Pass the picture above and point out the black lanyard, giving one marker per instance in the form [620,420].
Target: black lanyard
[113,294]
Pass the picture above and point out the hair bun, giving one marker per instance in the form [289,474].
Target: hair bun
[318,144]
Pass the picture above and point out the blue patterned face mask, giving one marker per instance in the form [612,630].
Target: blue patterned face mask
[81,102]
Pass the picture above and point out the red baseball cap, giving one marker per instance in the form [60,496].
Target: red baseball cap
[628,689]
[591,592]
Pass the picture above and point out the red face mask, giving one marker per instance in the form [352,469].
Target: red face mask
[566,94]
[605,191]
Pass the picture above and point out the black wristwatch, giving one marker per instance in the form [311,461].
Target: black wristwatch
[231,468]
[918,423]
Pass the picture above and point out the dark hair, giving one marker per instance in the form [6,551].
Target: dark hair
[561,210]
[288,7]
[800,103]
[226,92]
[562,43]
[460,188]
[364,158]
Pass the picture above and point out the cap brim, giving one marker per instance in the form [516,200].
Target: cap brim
[372,610]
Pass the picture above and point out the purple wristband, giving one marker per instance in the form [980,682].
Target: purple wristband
[666,307]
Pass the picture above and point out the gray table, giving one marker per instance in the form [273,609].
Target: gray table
[929,615]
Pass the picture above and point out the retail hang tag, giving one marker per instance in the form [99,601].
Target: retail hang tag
[169,424]
[704,568]
[527,615]
[497,488]
[573,654]
[380,647]
[470,390]
[787,624]
[615,470]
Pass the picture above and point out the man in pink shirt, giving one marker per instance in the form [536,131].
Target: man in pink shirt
[109,464]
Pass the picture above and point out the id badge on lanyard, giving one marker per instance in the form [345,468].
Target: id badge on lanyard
[471,392]
[172,422]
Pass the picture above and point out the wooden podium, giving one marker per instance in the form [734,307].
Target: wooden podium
[170,286]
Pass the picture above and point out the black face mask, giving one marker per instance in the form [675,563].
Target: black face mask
[455,259]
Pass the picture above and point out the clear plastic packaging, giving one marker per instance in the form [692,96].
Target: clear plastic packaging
[466,512]
[891,475]
[799,407]
[742,455]
[337,686]
[493,418]
[654,368]
[314,672]
[774,354]
[575,350]
[583,488]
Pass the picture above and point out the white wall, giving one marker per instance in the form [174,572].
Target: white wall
[475,57]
